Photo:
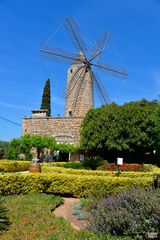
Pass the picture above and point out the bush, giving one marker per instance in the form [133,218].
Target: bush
[92,162]
[4,221]
[129,213]
[125,167]
[67,184]
[51,169]
[14,149]
[14,166]
[74,165]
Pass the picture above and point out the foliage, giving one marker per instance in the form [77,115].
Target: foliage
[67,148]
[13,166]
[68,184]
[157,128]
[4,221]
[26,146]
[25,143]
[125,167]
[150,170]
[92,162]
[46,98]
[127,131]
[129,213]
[40,142]
[14,149]
[3,149]
[19,146]
[74,165]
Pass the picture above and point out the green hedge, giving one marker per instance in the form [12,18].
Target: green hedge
[13,166]
[66,184]
[50,169]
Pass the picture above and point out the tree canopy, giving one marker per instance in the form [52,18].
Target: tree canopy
[46,98]
[127,130]
[24,145]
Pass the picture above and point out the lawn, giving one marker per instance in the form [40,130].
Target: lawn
[32,218]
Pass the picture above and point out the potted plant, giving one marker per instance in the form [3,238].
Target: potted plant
[35,167]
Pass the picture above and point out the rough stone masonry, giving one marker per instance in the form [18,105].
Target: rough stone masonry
[64,129]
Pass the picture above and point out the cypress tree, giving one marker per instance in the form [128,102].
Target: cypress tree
[46,98]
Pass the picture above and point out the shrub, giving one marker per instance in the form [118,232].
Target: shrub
[92,162]
[4,221]
[84,172]
[125,167]
[67,184]
[129,213]
[73,165]
[14,166]
[14,149]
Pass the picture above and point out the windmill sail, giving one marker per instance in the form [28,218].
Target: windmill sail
[81,77]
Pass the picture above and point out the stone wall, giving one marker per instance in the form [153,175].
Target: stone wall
[79,95]
[64,129]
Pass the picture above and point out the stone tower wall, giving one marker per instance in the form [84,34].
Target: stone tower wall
[80,99]
[63,129]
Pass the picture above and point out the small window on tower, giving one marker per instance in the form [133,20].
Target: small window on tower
[71,71]
[70,113]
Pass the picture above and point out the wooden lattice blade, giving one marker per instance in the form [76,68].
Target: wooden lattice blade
[101,92]
[75,34]
[55,54]
[109,68]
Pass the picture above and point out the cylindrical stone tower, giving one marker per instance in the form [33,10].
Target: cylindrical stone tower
[79,90]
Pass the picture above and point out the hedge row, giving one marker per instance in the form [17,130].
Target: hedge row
[66,167]
[67,184]
[13,166]
[83,172]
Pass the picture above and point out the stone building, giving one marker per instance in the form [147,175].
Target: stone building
[64,129]
[78,102]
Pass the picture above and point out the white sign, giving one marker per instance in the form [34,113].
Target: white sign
[119,161]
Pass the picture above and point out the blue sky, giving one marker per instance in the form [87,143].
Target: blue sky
[26,24]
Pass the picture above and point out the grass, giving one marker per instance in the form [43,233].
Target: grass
[32,219]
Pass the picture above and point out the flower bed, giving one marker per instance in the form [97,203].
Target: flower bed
[125,167]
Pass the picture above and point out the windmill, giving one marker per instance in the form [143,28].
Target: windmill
[82,77]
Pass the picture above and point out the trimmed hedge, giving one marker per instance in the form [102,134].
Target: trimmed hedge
[67,184]
[13,166]
[83,172]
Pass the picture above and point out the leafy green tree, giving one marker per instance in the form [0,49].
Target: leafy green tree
[157,129]
[25,143]
[68,148]
[40,142]
[46,98]
[14,149]
[26,146]
[127,131]
[3,149]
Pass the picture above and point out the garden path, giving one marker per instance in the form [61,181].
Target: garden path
[65,211]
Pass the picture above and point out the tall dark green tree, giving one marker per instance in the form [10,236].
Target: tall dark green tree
[46,97]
